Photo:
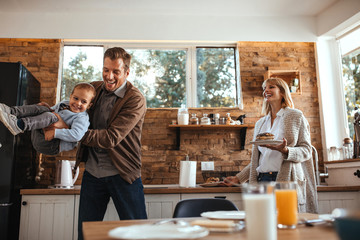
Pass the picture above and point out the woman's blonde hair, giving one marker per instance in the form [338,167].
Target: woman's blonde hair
[284,90]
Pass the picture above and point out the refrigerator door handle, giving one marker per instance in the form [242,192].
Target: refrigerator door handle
[5,204]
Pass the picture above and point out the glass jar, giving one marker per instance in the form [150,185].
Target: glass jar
[183,115]
[333,154]
[194,120]
[348,148]
[217,118]
[205,120]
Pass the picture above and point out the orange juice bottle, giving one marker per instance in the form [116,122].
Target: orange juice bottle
[286,204]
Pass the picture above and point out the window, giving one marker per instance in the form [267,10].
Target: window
[160,75]
[168,76]
[81,64]
[350,52]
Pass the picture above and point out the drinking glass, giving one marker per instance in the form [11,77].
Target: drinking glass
[286,204]
[260,215]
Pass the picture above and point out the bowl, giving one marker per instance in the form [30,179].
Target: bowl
[348,228]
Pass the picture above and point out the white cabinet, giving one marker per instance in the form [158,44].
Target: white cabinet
[47,217]
[328,201]
[236,198]
[161,205]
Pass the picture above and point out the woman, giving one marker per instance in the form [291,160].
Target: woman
[292,159]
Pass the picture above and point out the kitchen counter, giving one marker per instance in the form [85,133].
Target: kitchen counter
[174,188]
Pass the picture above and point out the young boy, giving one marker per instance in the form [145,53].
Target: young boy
[36,117]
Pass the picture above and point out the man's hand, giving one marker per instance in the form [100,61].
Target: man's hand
[49,134]
[281,147]
[59,124]
[45,104]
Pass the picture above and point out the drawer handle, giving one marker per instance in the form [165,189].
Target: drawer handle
[357,173]
[223,197]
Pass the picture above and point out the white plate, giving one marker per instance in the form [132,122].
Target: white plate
[162,231]
[230,215]
[327,217]
[264,142]
[214,184]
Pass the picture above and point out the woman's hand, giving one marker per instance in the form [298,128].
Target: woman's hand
[230,181]
[281,147]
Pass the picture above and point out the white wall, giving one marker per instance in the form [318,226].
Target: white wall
[147,27]
[341,15]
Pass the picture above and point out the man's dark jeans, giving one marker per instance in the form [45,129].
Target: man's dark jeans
[95,195]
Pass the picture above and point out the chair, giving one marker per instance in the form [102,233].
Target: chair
[194,207]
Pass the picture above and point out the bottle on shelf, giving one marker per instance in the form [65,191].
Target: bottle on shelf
[348,148]
[228,119]
[183,115]
[194,120]
[217,118]
[205,120]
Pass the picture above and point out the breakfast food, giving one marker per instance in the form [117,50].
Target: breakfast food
[214,223]
[212,180]
[265,136]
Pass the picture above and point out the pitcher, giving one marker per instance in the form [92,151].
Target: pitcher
[64,176]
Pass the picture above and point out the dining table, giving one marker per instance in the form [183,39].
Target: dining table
[98,230]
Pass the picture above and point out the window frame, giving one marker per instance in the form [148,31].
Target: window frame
[191,67]
[341,85]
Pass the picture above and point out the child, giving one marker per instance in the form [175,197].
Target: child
[36,117]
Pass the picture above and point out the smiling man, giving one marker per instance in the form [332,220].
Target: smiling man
[111,147]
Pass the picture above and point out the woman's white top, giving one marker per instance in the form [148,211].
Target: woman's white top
[270,160]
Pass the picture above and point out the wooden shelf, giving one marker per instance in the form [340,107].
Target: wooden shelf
[242,128]
[287,75]
[212,126]
[343,161]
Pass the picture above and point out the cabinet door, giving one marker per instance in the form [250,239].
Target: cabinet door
[47,217]
[161,205]
[328,201]
[236,198]
[157,206]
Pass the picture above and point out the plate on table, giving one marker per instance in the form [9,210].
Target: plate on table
[228,215]
[161,231]
[264,142]
[214,184]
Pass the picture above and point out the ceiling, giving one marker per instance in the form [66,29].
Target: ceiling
[173,7]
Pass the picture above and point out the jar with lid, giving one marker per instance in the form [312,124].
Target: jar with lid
[348,148]
[194,120]
[205,120]
[183,115]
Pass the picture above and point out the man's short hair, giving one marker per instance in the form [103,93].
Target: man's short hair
[116,53]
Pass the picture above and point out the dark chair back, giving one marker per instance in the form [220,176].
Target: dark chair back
[194,207]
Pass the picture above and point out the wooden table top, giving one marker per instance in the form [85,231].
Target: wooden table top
[174,189]
[99,231]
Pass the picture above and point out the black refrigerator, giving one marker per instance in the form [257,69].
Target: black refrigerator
[17,156]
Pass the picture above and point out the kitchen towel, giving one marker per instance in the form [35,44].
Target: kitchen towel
[187,174]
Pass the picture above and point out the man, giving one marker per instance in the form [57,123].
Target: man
[111,147]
